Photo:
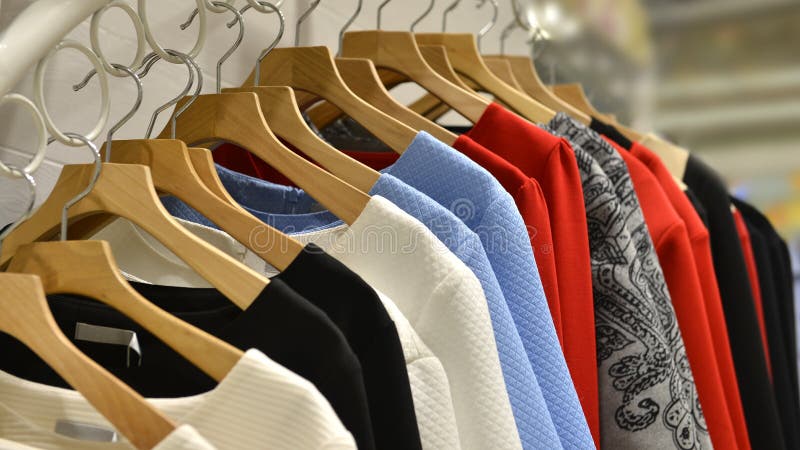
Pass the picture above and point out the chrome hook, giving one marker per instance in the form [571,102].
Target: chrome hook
[424,15]
[347,25]
[98,165]
[273,8]
[506,33]
[491,23]
[237,19]
[447,11]
[129,115]
[380,11]
[151,59]
[302,19]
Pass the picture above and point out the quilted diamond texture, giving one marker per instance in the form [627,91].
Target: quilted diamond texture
[530,409]
[477,198]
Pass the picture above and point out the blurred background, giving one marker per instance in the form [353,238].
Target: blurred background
[719,77]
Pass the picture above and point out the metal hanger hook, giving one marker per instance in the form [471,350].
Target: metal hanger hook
[380,12]
[94,35]
[17,173]
[491,24]
[150,60]
[272,8]
[41,133]
[347,25]
[424,15]
[447,11]
[129,115]
[237,19]
[98,165]
[302,19]
[506,33]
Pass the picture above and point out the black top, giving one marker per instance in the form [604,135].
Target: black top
[761,414]
[280,323]
[701,210]
[777,305]
[359,313]
[769,300]
[610,132]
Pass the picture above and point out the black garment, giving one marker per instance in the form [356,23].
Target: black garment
[280,323]
[610,132]
[782,386]
[778,304]
[701,210]
[761,414]
[358,312]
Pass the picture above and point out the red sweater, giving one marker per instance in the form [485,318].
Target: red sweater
[755,285]
[671,241]
[551,162]
[701,249]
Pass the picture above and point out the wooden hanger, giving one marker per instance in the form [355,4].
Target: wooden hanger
[324,113]
[398,51]
[464,56]
[525,73]
[25,315]
[312,69]
[673,156]
[237,118]
[361,76]
[126,190]
[87,268]
[574,94]
[502,69]
[173,173]
[434,107]
[203,164]
[280,109]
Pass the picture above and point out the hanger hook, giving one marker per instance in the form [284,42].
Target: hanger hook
[224,6]
[16,172]
[491,23]
[150,60]
[302,19]
[129,115]
[506,33]
[98,165]
[447,11]
[380,11]
[38,88]
[269,8]
[94,36]
[424,15]
[347,25]
[41,133]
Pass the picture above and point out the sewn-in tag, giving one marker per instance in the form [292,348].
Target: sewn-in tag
[108,335]
[85,431]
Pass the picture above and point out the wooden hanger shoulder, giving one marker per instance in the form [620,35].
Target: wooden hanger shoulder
[463,52]
[312,69]
[398,51]
[525,73]
[126,190]
[24,314]
[87,268]
[203,164]
[237,118]
[172,172]
[281,111]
